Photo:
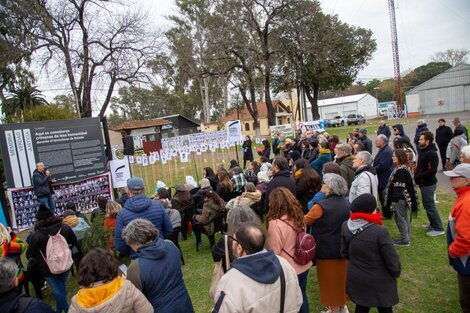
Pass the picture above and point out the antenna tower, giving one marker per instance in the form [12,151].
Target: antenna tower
[396,59]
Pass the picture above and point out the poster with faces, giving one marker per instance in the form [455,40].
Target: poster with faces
[131,159]
[258,141]
[145,160]
[138,159]
[184,158]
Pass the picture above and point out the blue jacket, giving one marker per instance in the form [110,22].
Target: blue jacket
[383,165]
[161,277]
[318,163]
[140,206]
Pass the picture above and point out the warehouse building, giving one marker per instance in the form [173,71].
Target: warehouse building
[363,104]
[444,93]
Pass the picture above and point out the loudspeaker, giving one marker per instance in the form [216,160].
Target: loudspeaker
[128,143]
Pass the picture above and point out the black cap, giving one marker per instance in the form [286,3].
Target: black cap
[365,203]
[43,212]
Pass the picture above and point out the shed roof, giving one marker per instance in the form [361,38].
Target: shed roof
[181,116]
[137,124]
[454,76]
[340,100]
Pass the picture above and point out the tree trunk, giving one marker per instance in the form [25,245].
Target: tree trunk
[251,106]
[313,99]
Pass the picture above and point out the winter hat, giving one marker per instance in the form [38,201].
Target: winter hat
[135,184]
[43,212]
[363,131]
[365,203]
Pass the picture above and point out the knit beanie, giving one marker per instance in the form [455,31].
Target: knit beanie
[365,203]
[43,212]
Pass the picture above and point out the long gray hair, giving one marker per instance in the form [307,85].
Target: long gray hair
[239,215]
[140,232]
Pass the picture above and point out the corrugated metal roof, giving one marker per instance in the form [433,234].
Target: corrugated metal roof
[339,100]
[136,124]
[455,76]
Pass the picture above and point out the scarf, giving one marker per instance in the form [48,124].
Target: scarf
[324,151]
[298,174]
[375,218]
[93,296]
[402,177]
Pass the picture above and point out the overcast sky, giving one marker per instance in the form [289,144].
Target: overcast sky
[424,28]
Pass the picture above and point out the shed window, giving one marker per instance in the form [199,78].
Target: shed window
[247,126]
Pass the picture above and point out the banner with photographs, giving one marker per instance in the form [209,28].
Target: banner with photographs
[82,193]
[70,150]
[284,130]
[317,125]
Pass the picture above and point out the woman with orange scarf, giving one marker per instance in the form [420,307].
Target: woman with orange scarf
[103,289]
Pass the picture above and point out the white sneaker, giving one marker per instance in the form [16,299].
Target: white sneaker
[344,309]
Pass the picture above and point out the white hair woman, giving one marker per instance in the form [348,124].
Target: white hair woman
[157,269]
[326,218]
[366,180]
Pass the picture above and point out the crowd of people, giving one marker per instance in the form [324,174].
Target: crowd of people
[339,192]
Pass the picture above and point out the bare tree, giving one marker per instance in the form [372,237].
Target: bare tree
[96,44]
[451,56]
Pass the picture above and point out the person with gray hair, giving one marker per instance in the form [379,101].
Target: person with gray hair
[238,215]
[421,127]
[326,218]
[465,154]
[365,180]
[156,271]
[10,297]
[344,158]
[383,165]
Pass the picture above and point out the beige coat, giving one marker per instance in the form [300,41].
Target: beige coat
[258,297]
[246,199]
[127,300]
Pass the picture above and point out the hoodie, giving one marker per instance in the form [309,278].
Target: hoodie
[419,130]
[157,273]
[402,132]
[426,169]
[140,206]
[253,285]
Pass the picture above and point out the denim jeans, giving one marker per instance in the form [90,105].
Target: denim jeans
[58,285]
[303,287]
[427,194]
[402,220]
[47,201]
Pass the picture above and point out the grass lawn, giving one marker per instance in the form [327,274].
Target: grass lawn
[427,282]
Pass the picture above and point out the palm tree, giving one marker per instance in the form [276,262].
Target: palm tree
[20,99]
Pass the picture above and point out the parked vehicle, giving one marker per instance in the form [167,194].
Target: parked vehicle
[337,121]
[356,119]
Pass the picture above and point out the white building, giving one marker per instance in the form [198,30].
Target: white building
[363,104]
[444,93]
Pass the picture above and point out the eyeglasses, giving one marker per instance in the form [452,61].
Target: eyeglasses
[233,238]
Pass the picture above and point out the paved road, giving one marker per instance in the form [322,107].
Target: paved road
[431,121]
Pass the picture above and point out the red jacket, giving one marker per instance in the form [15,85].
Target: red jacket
[460,213]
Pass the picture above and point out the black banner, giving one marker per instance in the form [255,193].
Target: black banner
[70,149]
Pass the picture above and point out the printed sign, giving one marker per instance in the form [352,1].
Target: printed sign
[284,130]
[317,125]
[120,172]
[70,150]
[83,193]
[234,131]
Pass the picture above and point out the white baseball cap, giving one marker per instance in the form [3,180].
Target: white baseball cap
[461,170]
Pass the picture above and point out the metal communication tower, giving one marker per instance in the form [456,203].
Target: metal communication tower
[396,59]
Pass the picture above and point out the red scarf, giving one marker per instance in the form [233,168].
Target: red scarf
[375,218]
